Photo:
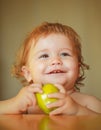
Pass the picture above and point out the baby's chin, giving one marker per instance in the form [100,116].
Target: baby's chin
[54,82]
[62,81]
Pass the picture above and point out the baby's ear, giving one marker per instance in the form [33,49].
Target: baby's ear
[26,73]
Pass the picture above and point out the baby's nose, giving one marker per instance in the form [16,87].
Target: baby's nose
[56,61]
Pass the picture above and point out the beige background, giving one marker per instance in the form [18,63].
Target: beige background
[18,17]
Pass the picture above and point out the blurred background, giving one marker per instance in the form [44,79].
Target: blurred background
[19,17]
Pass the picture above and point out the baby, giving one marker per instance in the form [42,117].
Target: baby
[51,54]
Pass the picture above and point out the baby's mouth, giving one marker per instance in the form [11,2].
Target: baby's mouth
[56,72]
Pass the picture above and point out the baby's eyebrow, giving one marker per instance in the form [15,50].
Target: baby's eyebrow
[41,51]
[46,50]
[62,49]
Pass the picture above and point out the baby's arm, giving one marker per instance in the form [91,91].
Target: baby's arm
[20,103]
[8,107]
[83,110]
[87,104]
[94,104]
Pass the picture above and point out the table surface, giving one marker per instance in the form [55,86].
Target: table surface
[45,122]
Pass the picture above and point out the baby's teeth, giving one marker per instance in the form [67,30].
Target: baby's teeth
[56,71]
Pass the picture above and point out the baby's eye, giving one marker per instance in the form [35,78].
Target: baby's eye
[65,54]
[44,56]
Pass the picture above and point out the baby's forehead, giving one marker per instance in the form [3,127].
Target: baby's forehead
[43,36]
[52,41]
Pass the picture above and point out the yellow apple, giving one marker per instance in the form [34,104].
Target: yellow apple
[42,98]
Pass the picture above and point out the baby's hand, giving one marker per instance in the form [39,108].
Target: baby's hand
[64,105]
[26,97]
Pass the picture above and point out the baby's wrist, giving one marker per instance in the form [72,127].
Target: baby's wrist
[18,107]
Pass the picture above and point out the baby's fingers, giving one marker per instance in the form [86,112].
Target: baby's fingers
[56,111]
[61,88]
[59,107]
[57,95]
[34,88]
[55,104]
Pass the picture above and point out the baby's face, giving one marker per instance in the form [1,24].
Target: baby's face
[53,60]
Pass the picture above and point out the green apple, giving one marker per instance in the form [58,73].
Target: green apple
[42,98]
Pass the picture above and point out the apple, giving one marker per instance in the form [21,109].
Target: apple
[42,98]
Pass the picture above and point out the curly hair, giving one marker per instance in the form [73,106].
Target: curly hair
[45,29]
